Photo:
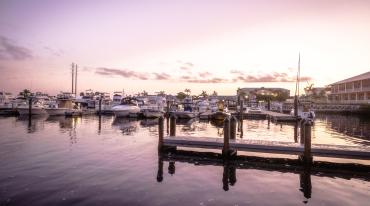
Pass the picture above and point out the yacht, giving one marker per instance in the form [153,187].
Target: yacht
[6,104]
[222,111]
[37,108]
[187,111]
[62,104]
[127,107]
[304,113]
[154,108]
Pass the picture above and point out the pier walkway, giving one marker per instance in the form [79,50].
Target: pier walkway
[230,145]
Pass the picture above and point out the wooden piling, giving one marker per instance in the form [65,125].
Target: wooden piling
[226,147]
[302,130]
[160,132]
[168,108]
[173,125]
[307,142]
[100,101]
[233,128]
[30,106]
[269,105]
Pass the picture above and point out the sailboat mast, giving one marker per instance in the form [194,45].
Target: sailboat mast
[296,96]
[73,68]
[76,81]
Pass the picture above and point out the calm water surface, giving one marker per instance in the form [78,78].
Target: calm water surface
[108,161]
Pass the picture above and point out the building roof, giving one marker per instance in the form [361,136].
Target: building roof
[355,78]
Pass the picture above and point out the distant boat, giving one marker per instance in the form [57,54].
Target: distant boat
[304,113]
[187,111]
[128,107]
[37,108]
[154,107]
[61,105]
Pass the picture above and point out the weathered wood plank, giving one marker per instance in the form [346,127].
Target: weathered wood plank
[336,151]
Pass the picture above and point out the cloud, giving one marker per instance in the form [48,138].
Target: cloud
[273,77]
[185,68]
[236,72]
[9,50]
[161,76]
[54,52]
[204,74]
[189,64]
[121,72]
[214,80]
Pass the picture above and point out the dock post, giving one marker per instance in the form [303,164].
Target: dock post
[30,107]
[226,147]
[302,135]
[160,133]
[307,156]
[241,109]
[160,168]
[100,100]
[233,128]
[269,105]
[173,126]
[168,108]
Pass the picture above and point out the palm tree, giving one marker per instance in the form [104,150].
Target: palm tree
[187,91]
[26,93]
[144,93]
[204,94]
[214,93]
[161,93]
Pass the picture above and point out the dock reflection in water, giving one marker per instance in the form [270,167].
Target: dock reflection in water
[109,161]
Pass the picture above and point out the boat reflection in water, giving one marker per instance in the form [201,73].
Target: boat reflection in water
[33,124]
[283,165]
[128,126]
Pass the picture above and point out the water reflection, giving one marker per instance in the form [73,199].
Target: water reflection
[128,126]
[230,167]
[33,124]
[351,125]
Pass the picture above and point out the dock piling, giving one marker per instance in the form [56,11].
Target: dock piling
[100,101]
[160,133]
[173,125]
[302,130]
[233,128]
[30,107]
[307,142]
[226,147]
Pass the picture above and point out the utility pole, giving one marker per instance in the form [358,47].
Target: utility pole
[73,71]
[76,81]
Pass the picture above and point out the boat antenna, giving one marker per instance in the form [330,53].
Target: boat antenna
[73,71]
[298,75]
[76,81]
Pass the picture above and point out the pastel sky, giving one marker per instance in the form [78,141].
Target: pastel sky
[172,45]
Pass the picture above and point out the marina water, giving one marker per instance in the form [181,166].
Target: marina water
[94,160]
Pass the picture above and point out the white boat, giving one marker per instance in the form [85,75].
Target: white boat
[187,111]
[6,104]
[127,108]
[154,107]
[37,108]
[254,110]
[305,114]
[61,105]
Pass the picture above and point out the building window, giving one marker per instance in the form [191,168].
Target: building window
[368,95]
[353,96]
[366,83]
[342,87]
[361,96]
[357,84]
[349,85]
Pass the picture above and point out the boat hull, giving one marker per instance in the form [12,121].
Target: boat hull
[35,111]
[153,114]
[185,115]
[56,111]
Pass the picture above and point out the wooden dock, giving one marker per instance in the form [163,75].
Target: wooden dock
[268,147]
[230,145]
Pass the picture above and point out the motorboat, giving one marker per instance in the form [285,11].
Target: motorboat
[304,114]
[154,107]
[37,108]
[187,111]
[61,105]
[254,110]
[222,112]
[127,108]
[6,104]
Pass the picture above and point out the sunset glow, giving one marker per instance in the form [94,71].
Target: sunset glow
[173,45]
